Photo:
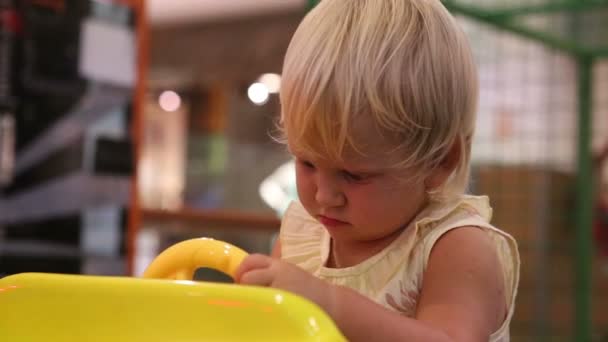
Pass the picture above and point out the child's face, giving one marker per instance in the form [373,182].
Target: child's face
[361,200]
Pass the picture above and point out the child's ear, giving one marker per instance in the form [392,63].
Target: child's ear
[439,175]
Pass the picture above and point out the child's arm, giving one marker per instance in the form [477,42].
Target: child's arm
[462,298]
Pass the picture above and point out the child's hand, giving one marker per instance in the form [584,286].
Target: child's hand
[263,270]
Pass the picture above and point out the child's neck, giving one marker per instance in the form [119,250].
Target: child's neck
[351,253]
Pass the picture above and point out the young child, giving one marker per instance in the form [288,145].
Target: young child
[378,108]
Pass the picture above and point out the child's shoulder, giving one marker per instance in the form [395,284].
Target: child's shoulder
[464,210]
[296,219]
[467,217]
[463,249]
[302,238]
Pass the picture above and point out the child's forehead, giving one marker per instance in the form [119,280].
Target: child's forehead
[351,159]
[364,146]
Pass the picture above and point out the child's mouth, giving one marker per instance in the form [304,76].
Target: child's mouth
[330,222]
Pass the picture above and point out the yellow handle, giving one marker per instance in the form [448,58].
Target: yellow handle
[181,260]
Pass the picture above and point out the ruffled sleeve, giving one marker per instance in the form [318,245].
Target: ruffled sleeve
[301,238]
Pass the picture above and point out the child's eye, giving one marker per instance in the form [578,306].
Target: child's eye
[353,177]
[307,164]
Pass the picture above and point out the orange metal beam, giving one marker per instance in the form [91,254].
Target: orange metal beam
[143,48]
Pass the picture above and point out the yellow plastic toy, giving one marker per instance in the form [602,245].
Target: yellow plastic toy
[53,307]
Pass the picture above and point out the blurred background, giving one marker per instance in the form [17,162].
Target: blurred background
[129,125]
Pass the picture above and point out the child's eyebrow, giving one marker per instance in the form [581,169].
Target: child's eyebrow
[366,162]
[370,169]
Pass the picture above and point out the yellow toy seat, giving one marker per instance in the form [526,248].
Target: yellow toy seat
[52,307]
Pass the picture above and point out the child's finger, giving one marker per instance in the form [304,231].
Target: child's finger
[251,262]
[260,277]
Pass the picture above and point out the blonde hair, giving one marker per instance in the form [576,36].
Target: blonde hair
[403,65]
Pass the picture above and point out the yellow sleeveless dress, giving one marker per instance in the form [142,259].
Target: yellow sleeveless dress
[393,277]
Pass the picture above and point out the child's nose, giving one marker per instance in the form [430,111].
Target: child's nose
[328,194]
